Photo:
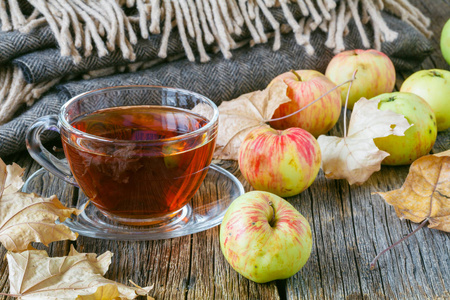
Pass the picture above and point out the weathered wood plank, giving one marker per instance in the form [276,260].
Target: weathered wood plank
[164,264]
[421,262]
[334,270]
[350,226]
[220,281]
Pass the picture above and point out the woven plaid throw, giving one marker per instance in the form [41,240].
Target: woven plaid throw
[52,50]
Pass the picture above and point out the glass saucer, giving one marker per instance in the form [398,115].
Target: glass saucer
[205,210]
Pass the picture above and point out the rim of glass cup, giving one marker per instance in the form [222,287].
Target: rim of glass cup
[64,123]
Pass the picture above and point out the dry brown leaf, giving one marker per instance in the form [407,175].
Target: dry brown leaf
[105,292]
[239,116]
[34,275]
[14,180]
[3,175]
[355,156]
[26,218]
[425,194]
[10,178]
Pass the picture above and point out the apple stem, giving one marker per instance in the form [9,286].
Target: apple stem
[374,261]
[346,102]
[272,220]
[311,103]
[297,75]
[433,73]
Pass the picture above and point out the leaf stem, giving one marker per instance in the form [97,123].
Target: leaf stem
[372,264]
[346,103]
[374,261]
[311,103]
[11,295]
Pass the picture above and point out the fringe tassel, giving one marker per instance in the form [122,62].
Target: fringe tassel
[103,25]
[15,91]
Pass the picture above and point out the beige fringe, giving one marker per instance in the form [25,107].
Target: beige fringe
[15,91]
[102,24]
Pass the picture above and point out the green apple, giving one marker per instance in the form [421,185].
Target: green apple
[375,76]
[281,162]
[445,41]
[264,238]
[434,87]
[418,139]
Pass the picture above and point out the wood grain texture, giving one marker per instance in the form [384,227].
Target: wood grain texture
[350,226]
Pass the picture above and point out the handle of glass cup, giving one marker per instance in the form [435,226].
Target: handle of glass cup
[57,167]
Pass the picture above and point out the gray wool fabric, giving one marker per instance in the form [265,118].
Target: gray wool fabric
[46,63]
[15,43]
[250,69]
[38,66]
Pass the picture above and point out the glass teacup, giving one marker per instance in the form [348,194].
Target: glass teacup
[139,153]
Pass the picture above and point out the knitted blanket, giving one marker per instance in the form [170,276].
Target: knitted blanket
[52,50]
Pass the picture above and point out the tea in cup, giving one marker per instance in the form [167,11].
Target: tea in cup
[139,153]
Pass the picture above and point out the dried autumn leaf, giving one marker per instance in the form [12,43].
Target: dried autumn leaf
[423,197]
[355,156]
[10,178]
[26,218]
[239,116]
[425,194]
[105,292]
[3,175]
[34,275]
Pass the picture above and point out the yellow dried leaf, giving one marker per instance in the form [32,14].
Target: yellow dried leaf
[355,156]
[239,116]
[26,218]
[105,292]
[34,275]
[10,178]
[425,194]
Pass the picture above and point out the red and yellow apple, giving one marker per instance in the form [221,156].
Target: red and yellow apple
[281,162]
[418,139]
[434,87]
[304,86]
[375,76]
[264,238]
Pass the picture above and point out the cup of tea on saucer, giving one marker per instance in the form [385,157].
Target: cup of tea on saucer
[139,153]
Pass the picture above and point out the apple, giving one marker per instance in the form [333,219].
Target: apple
[375,76]
[281,162]
[445,41]
[434,87]
[264,238]
[304,86]
[418,139]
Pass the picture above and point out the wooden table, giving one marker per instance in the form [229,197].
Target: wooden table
[350,226]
